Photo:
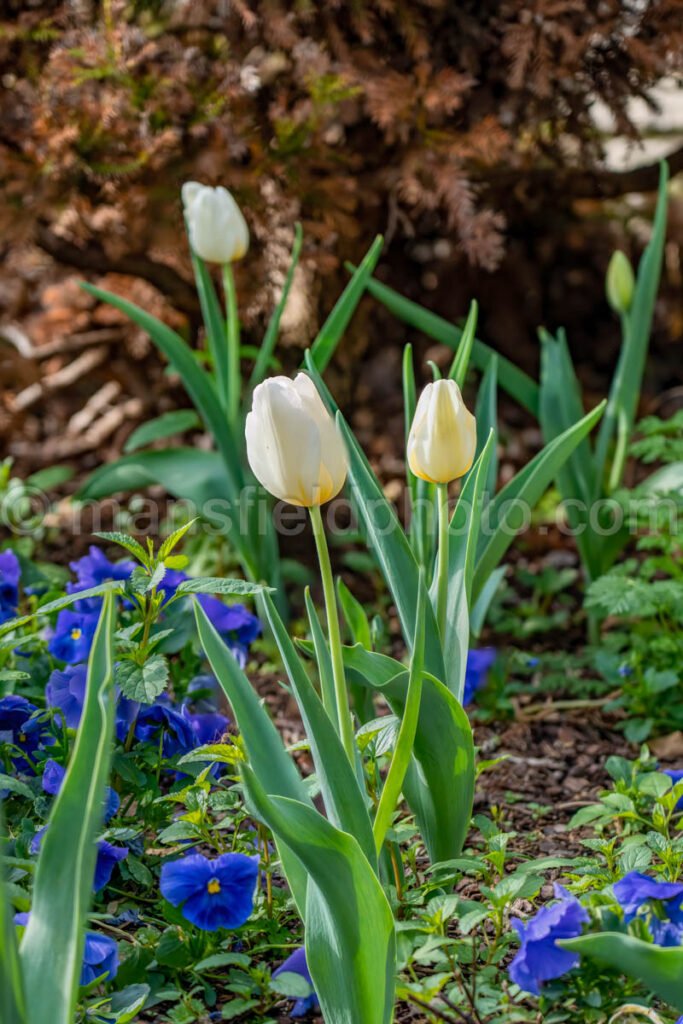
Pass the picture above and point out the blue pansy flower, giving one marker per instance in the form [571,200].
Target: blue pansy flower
[212,894]
[73,634]
[207,727]
[540,958]
[108,856]
[19,729]
[53,776]
[661,903]
[100,954]
[100,957]
[95,568]
[296,964]
[171,581]
[159,718]
[478,664]
[675,774]
[9,585]
[66,690]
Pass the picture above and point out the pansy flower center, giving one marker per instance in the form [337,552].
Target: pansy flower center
[213,886]
[76,634]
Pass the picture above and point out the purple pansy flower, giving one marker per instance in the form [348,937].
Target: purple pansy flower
[540,958]
[53,776]
[636,892]
[108,856]
[212,894]
[73,634]
[100,955]
[9,585]
[296,964]
[19,729]
[66,690]
[478,664]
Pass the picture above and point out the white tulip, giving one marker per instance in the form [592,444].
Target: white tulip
[293,445]
[218,230]
[443,435]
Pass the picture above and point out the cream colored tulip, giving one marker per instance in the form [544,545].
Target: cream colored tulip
[217,228]
[443,435]
[293,445]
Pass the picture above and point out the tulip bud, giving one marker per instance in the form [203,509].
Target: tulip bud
[443,435]
[218,231]
[620,282]
[293,445]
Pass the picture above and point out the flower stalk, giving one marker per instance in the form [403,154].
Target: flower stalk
[232,386]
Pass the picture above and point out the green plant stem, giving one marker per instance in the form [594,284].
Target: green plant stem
[343,713]
[442,559]
[231,388]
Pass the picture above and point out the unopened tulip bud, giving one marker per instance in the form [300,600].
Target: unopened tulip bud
[443,435]
[293,445]
[218,231]
[620,282]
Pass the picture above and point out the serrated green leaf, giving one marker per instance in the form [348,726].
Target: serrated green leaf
[143,683]
[124,541]
[221,585]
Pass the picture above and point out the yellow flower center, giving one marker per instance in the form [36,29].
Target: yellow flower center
[22,737]
[76,634]
[213,886]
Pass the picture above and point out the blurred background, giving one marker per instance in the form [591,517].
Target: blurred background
[503,150]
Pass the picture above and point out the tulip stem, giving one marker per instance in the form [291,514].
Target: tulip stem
[231,387]
[343,712]
[442,560]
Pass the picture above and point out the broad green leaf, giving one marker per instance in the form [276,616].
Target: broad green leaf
[660,968]
[403,751]
[161,427]
[561,406]
[344,802]
[11,784]
[463,532]
[214,322]
[422,493]
[330,333]
[486,415]
[221,585]
[12,1001]
[624,393]
[461,360]
[439,785]
[323,660]
[198,384]
[267,755]
[355,616]
[52,946]
[265,353]
[386,538]
[188,473]
[350,936]
[145,682]
[521,494]
[517,383]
